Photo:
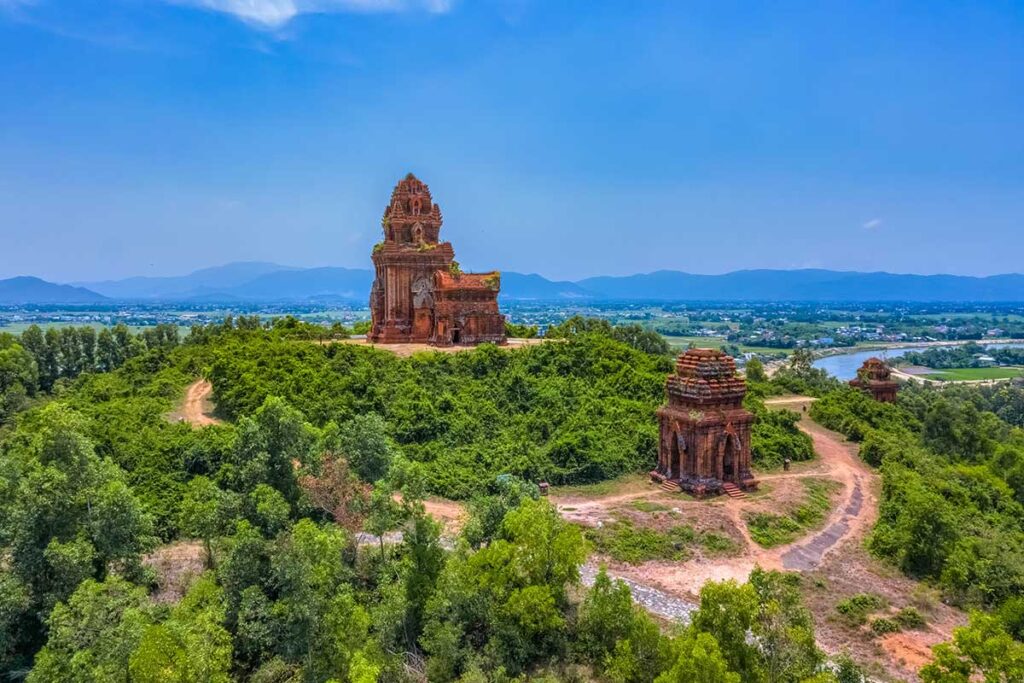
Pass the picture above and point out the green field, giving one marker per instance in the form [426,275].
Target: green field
[716,342]
[969,374]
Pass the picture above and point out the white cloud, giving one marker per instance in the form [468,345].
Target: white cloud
[273,14]
[873,224]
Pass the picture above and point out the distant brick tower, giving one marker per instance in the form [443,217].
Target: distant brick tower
[875,377]
[419,294]
[705,431]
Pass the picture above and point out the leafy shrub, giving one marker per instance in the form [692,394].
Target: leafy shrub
[770,530]
[717,544]
[884,625]
[856,608]
[908,617]
[775,436]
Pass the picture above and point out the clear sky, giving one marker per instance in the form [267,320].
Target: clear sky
[565,138]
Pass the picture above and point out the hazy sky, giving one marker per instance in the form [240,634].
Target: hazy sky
[565,138]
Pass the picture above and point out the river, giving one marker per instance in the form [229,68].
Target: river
[844,366]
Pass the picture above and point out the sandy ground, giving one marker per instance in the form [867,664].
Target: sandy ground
[176,565]
[196,408]
[409,349]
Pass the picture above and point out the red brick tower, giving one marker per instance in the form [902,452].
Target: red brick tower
[419,294]
[875,377]
[705,431]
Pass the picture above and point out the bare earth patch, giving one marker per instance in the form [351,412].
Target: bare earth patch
[176,566]
[197,407]
[406,350]
[852,571]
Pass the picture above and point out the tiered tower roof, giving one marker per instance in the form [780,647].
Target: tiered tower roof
[411,217]
[875,369]
[705,378]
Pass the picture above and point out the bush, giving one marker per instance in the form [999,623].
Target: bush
[856,608]
[884,625]
[908,617]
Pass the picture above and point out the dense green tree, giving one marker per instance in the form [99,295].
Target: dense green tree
[270,446]
[365,443]
[93,635]
[71,515]
[982,650]
[697,658]
[507,598]
[190,646]
[205,512]
[17,367]
[617,636]
[727,613]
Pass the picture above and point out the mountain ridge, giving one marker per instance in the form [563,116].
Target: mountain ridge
[257,281]
[26,289]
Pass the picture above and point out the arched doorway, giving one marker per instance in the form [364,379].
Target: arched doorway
[673,460]
[729,464]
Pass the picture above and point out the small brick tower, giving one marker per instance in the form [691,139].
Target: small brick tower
[704,446]
[875,377]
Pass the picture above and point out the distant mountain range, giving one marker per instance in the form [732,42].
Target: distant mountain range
[257,282]
[31,290]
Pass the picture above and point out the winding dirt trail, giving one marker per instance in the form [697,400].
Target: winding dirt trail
[197,408]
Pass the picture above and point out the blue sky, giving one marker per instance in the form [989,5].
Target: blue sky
[565,138]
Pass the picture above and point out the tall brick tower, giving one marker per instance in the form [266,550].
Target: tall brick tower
[419,293]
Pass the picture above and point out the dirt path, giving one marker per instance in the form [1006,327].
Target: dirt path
[197,408]
[853,514]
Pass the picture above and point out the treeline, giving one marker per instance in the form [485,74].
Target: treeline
[966,356]
[39,359]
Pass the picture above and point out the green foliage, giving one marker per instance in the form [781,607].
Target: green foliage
[981,650]
[951,489]
[617,636]
[623,541]
[910,618]
[88,480]
[636,336]
[771,530]
[762,629]
[574,412]
[488,510]
[883,625]
[93,635]
[855,609]
[507,599]
[775,437]
[70,515]
[800,377]
[698,659]
[518,331]
[365,443]
[191,645]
